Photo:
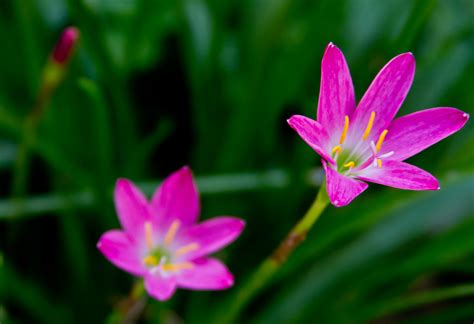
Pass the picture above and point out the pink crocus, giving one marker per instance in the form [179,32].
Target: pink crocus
[161,241]
[365,143]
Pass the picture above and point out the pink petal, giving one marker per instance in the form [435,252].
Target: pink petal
[384,96]
[131,206]
[413,133]
[159,287]
[177,198]
[312,133]
[212,235]
[341,189]
[336,94]
[119,249]
[207,274]
[400,175]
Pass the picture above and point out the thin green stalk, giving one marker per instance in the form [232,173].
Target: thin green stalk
[273,263]
[399,305]
[129,309]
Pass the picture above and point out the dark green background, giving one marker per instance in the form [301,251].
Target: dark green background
[158,84]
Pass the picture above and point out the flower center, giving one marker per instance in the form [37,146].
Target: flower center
[358,156]
[159,256]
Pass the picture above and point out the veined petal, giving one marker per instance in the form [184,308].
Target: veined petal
[131,205]
[212,235]
[159,287]
[336,93]
[341,189]
[177,199]
[400,175]
[384,97]
[413,133]
[313,134]
[119,249]
[207,274]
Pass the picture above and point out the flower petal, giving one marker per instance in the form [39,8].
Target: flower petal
[313,134]
[336,94]
[212,235]
[177,199]
[159,287]
[131,205]
[207,274]
[341,189]
[400,175]
[384,97]
[120,250]
[413,133]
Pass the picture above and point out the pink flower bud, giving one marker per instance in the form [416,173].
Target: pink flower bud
[65,46]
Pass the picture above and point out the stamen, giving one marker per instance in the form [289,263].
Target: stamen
[369,126]
[172,232]
[177,266]
[149,235]
[379,163]
[344,131]
[150,261]
[186,249]
[381,139]
[350,164]
[337,149]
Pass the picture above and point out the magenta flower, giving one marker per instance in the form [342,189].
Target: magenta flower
[161,241]
[65,46]
[365,143]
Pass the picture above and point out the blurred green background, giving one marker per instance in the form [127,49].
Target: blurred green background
[157,84]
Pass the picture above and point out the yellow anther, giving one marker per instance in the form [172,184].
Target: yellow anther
[337,149]
[350,164]
[381,139]
[379,163]
[172,232]
[150,261]
[344,131]
[186,249]
[149,235]
[177,266]
[369,126]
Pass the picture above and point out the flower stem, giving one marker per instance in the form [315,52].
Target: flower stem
[129,309]
[272,264]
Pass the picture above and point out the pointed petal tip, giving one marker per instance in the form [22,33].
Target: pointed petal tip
[406,56]
[228,281]
[185,170]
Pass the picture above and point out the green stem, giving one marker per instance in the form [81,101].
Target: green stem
[272,264]
[129,309]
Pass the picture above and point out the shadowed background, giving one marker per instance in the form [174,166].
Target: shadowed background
[157,84]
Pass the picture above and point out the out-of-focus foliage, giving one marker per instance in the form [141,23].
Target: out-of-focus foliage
[158,84]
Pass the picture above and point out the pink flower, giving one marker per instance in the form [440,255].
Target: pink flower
[65,46]
[162,242]
[365,143]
